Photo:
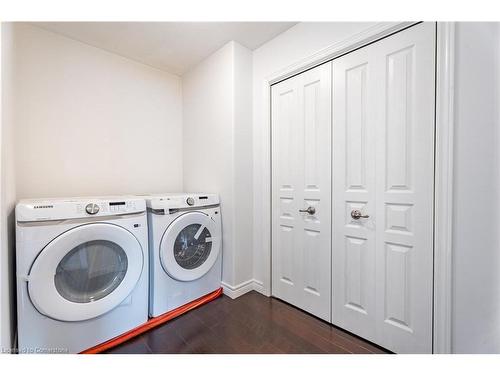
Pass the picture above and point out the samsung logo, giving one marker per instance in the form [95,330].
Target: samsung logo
[47,206]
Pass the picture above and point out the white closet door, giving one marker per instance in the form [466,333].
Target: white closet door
[353,261]
[301,123]
[383,264]
[405,190]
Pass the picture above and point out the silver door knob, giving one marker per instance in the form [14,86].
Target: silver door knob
[310,210]
[356,214]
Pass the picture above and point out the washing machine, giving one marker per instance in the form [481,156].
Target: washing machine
[82,271]
[184,247]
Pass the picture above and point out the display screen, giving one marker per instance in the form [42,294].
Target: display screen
[117,203]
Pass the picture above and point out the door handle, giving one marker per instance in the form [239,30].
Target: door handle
[310,210]
[356,215]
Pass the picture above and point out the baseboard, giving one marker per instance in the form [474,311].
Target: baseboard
[258,286]
[237,290]
[243,288]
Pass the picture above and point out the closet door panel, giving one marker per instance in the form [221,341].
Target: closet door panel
[384,168]
[353,255]
[405,190]
[302,181]
[285,277]
[315,248]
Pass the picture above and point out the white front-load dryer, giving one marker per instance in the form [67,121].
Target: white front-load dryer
[184,247]
[82,272]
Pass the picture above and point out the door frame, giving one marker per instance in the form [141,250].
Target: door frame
[443,171]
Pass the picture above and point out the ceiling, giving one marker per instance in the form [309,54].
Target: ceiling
[171,46]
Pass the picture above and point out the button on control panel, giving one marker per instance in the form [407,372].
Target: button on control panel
[190,201]
[92,208]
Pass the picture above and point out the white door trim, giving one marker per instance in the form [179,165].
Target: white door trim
[443,160]
[4,329]
[443,193]
[369,35]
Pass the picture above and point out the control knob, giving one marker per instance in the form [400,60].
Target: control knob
[92,208]
[190,201]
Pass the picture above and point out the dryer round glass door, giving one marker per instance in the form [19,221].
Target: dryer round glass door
[85,272]
[190,246]
[91,271]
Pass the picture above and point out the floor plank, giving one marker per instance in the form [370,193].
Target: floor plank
[252,323]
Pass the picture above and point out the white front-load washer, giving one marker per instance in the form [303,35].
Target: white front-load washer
[185,249]
[82,271]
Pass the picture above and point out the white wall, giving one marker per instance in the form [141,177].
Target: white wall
[295,44]
[7,192]
[476,233]
[243,165]
[217,149]
[77,120]
[89,122]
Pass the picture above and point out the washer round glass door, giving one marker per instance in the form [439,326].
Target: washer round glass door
[190,246]
[85,272]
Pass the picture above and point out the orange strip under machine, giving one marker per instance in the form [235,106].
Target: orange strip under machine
[152,323]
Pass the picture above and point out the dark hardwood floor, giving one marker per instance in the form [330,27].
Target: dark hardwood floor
[252,323]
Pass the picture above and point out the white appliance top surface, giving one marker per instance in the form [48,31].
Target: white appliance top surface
[45,209]
[180,200]
[81,199]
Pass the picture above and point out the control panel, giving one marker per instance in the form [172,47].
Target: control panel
[31,210]
[182,201]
